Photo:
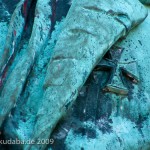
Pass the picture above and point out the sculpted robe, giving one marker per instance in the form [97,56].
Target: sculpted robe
[87,33]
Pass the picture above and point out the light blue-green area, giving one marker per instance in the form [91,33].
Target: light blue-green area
[3,33]
[29,105]
[125,134]
[80,46]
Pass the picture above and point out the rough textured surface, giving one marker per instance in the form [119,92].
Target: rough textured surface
[16,27]
[111,121]
[98,119]
[80,46]
[40,32]
[25,109]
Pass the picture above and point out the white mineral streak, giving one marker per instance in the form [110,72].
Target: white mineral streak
[91,28]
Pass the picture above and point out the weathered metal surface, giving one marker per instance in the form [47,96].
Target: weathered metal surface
[82,43]
[97,120]
[101,120]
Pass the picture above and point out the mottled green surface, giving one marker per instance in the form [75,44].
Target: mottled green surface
[130,120]
[3,31]
[39,96]
[82,43]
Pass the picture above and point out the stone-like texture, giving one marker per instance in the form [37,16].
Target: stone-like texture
[16,27]
[91,28]
[82,41]
[16,80]
[27,104]
[111,121]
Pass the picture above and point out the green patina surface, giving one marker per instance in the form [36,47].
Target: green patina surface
[46,77]
[125,115]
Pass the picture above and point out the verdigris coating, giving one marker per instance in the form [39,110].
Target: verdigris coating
[100,25]
[41,78]
[112,121]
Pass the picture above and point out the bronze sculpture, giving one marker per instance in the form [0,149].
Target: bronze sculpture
[87,34]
